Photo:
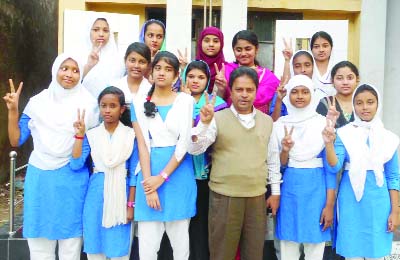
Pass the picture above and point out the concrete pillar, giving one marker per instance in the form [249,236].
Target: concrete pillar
[233,19]
[179,26]
[391,108]
[372,42]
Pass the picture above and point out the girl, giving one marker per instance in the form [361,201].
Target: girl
[301,63]
[107,212]
[166,200]
[209,49]
[245,48]
[103,65]
[307,193]
[321,47]
[51,181]
[345,78]
[367,203]
[134,85]
[153,35]
[197,78]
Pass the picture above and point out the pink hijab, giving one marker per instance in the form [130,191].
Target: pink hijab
[218,59]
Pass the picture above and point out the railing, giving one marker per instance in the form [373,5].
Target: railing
[13,170]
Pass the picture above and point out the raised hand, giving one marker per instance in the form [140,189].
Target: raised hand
[12,98]
[185,88]
[287,142]
[220,80]
[332,114]
[328,134]
[207,111]
[94,55]
[79,124]
[281,91]
[287,51]
[183,59]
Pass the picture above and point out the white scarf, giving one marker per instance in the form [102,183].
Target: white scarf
[109,154]
[110,66]
[53,112]
[308,124]
[323,83]
[141,94]
[369,146]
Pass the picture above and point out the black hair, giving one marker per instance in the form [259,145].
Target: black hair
[344,64]
[198,64]
[139,48]
[247,36]
[323,35]
[150,108]
[305,53]
[151,21]
[125,117]
[364,88]
[243,71]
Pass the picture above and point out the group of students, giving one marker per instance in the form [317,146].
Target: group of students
[115,143]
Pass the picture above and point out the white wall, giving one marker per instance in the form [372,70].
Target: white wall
[391,109]
[233,19]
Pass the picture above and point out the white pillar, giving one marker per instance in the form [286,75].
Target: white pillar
[233,19]
[391,108]
[179,26]
[372,42]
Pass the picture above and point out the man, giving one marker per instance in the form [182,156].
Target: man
[241,165]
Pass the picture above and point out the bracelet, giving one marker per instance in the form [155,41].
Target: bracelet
[164,175]
[130,204]
[79,137]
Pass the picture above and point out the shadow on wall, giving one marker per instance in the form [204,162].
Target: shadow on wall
[28,46]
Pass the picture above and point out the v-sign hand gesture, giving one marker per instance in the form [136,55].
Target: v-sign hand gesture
[94,55]
[207,111]
[281,90]
[12,98]
[332,114]
[185,88]
[328,134]
[79,124]
[288,50]
[287,142]
[183,59]
[220,80]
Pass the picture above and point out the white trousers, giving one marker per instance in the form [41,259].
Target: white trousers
[363,258]
[150,234]
[291,250]
[103,257]
[45,249]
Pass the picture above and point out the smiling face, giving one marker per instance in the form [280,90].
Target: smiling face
[300,97]
[345,81]
[321,49]
[365,105]
[154,37]
[68,74]
[100,33]
[243,94]
[163,74]
[211,45]
[245,53]
[196,81]
[136,65]
[110,108]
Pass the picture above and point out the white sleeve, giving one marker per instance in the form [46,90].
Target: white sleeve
[206,135]
[186,123]
[273,163]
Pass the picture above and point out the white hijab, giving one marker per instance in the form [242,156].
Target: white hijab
[53,112]
[292,58]
[307,124]
[369,146]
[110,66]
